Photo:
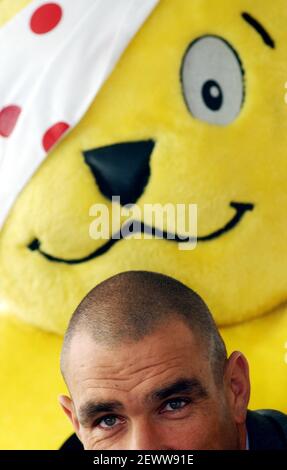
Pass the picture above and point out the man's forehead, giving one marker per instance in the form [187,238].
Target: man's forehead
[171,347]
[169,337]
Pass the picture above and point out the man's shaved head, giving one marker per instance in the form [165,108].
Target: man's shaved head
[132,305]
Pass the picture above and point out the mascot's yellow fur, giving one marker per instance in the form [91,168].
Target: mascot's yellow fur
[230,160]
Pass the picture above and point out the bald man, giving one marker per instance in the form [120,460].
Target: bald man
[146,368]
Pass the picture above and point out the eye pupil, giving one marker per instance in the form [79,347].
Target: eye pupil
[110,421]
[212,95]
[175,405]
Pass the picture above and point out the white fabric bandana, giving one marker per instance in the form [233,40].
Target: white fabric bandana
[54,58]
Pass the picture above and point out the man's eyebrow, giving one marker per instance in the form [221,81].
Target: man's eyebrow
[191,386]
[268,40]
[90,410]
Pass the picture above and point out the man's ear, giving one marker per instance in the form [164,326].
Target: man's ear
[238,385]
[69,409]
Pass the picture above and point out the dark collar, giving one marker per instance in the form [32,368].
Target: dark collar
[267,429]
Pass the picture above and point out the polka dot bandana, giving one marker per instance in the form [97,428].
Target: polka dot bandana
[54,59]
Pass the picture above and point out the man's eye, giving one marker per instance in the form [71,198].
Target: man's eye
[108,422]
[175,405]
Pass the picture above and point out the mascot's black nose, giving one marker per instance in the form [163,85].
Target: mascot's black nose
[121,169]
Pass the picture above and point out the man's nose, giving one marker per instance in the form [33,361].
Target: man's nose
[145,437]
[121,169]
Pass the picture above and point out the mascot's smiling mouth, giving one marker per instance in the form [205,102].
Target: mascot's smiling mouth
[240,208]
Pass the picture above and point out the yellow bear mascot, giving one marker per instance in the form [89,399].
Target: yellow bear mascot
[193,112]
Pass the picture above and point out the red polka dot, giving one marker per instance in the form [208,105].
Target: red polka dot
[8,119]
[53,134]
[46,18]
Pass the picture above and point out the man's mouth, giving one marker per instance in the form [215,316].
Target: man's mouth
[240,210]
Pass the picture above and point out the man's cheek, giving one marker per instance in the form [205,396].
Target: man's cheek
[189,434]
[209,433]
[92,441]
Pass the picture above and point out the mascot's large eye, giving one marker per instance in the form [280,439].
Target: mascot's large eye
[213,80]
